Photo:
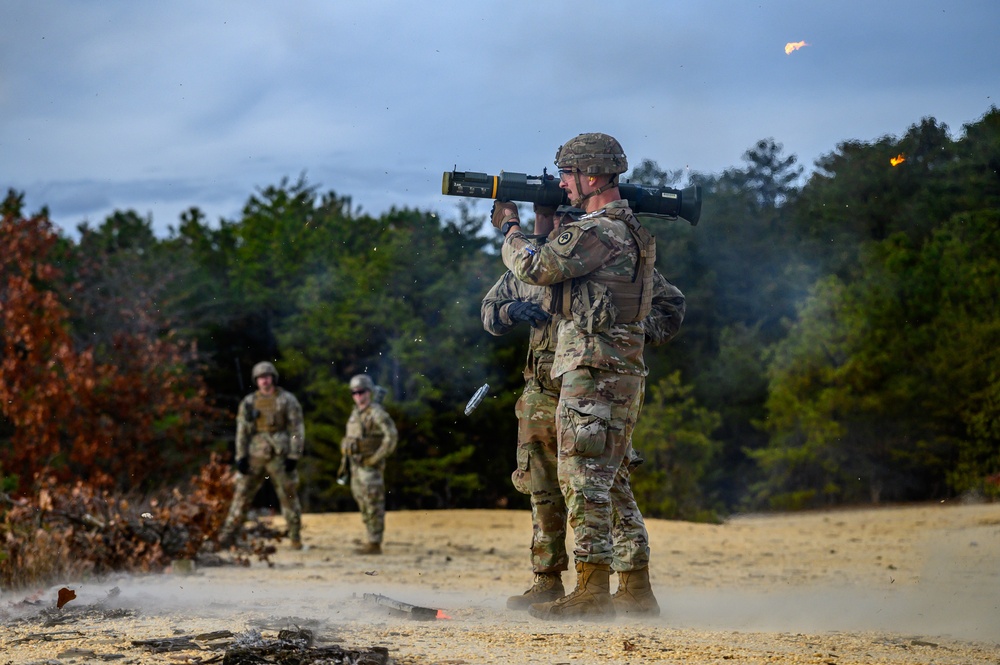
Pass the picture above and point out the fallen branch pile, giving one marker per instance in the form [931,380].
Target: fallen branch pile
[69,532]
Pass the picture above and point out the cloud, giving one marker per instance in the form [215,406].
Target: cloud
[142,106]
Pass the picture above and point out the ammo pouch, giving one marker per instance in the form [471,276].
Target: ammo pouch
[367,445]
[543,375]
[584,424]
[591,306]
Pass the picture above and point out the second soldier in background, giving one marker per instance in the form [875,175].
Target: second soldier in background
[370,438]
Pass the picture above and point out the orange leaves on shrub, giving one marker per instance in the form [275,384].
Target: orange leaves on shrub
[122,423]
[69,531]
[37,365]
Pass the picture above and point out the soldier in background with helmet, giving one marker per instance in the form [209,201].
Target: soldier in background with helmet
[508,303]
[270,440]
[370,438]
[601,270]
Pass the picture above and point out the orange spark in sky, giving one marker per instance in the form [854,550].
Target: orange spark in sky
[897,160]
[793,46]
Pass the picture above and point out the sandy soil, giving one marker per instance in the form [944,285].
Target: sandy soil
[916,584]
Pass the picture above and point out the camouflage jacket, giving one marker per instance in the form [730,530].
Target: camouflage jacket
[497,321]
[371,435]
[660,325]
[595,243]
[669,306]
[496,307]
[283,422]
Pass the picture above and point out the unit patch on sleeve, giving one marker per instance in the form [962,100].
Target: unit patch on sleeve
[568,237]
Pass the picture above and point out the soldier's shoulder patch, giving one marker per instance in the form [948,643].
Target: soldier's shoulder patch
[568,237]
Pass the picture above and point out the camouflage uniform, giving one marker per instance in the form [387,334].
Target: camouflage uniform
[269,431]
[598,359]
[536,470]
[535,473]
[370,438]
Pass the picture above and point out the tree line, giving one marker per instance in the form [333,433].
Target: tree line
[840,345]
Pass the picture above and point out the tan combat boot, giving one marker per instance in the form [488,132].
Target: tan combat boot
[296,544]
[635,596]
[547,587]
[369,548]
[590,600]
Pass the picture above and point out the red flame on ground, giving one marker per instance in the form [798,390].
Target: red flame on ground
[442,615]
[896,161]
[794,46]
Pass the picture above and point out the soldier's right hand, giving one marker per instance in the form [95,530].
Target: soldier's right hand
[528,312]
[503,212]
[243,465]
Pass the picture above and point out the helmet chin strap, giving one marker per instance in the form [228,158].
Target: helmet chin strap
[578,203]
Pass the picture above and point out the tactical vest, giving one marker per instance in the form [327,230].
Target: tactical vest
[263,414]
[632,295]
[361,430]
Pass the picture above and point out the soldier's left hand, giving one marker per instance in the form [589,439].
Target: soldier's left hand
[545,217]
[290,465]
[503,212]
[523,310]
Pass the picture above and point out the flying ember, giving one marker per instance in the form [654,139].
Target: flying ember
[897,160]
[794,46]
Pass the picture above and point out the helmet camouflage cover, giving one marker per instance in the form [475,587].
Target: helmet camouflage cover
[262,368]
[362,382]
[593,154]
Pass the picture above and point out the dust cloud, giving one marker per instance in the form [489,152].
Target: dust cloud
[947,602]
[877,578]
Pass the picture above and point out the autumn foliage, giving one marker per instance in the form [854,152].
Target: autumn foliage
[73,530]
[93,432]
[130,421]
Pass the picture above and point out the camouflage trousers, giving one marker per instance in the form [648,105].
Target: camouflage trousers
[537,475]
[368,490]
[595,417]
[286,486]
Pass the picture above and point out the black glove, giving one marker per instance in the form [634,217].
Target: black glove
[290,465]
[522,310]
[243,465]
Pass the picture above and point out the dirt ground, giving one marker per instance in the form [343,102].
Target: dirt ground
[915,584]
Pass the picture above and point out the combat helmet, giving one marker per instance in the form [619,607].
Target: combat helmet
[262,368]
[362,382]
[592,154]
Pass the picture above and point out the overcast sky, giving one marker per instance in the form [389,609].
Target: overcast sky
[158,107]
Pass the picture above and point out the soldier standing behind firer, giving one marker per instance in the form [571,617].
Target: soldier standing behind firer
[370,438]
[270,439]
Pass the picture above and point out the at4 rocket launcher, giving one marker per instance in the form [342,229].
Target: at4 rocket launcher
[645,200]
